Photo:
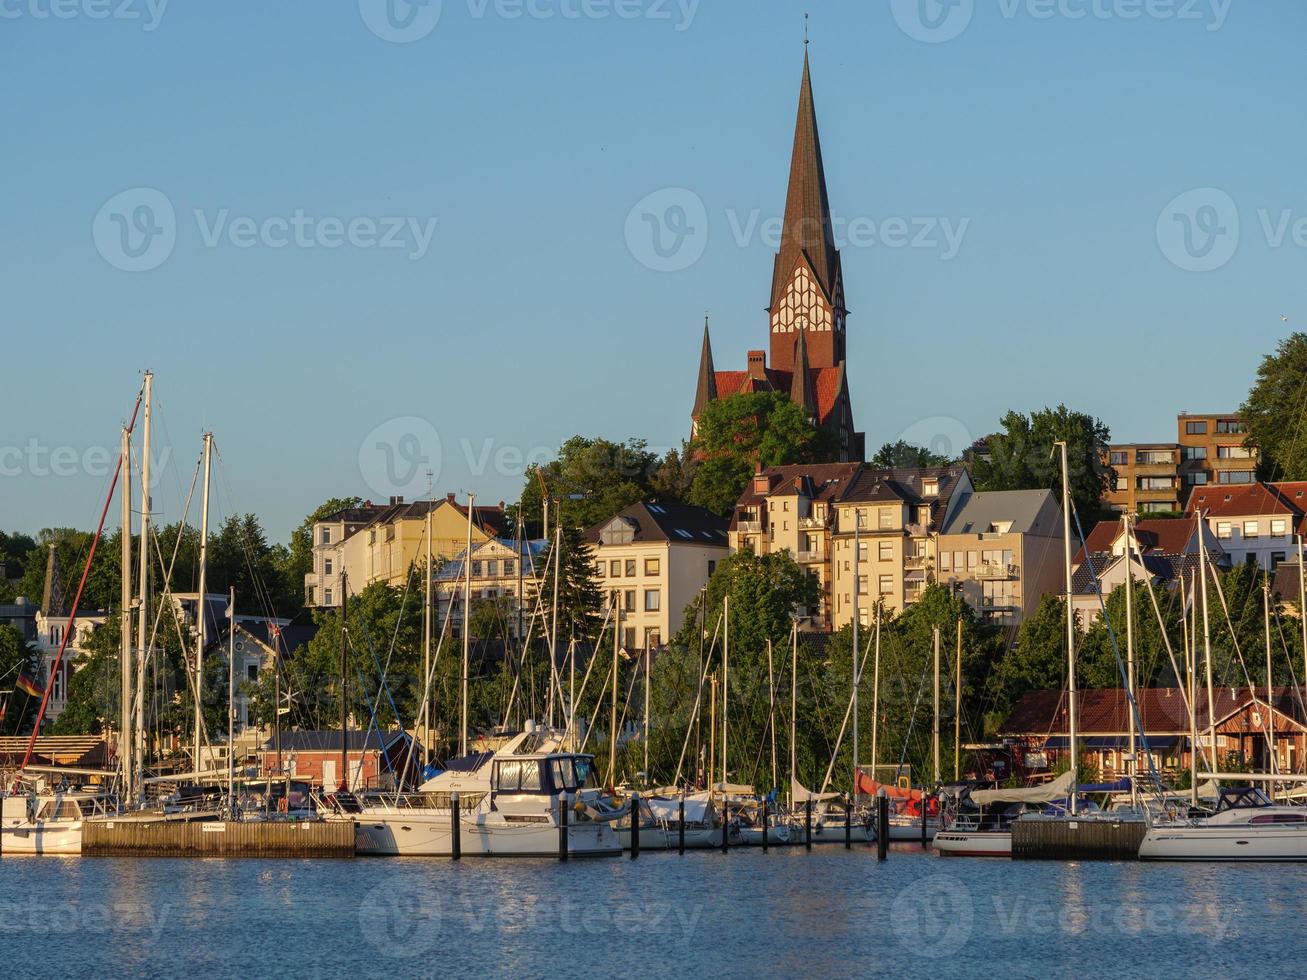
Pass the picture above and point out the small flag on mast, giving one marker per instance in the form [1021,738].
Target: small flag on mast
[29,686]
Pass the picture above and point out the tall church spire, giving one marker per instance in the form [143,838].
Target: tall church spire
[801,391]
[707,389]
[807,283]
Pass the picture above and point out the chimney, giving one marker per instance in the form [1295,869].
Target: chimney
[758,365]
[763,482]
[449,497]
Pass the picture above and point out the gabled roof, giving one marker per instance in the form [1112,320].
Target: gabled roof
[817,481]
[1165,537]
[369,741]
[1020,511]
[1247,500]
[1104,711]
[675,523]
[826,383]
[905,483]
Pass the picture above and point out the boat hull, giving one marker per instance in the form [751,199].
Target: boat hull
[1225,844]
[974,843]
[54,837]
[430,835]
[908,830]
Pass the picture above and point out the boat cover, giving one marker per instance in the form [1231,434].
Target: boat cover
[1046,793]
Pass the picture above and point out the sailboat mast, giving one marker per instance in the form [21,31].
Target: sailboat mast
[143,612]
[957,706]
[794,705]
[1191,689]
[125,621]
[857,568]
[231,700]
[648,663]
[875,696]
[553,624]
[612,721]
[1072,693]
[426,654]
[935,727]
[1270,690]
[771,712]
[726,673]
[344,682]
[1302,609]
[1207,645]
[1133,769]
[467,621]
[202,607]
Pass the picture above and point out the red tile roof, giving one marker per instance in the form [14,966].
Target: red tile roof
[1250,500]
[1104,711]
[827,383]
[1163,537]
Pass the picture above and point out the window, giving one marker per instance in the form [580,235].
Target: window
[1276,558]
[946,561]
[886,518]
[862,585]
[1224,530]
[492,568]
[930,487]
[1251,529]
[630,600]
[508,566]
[1120,458]
[1195,452]
[864,551]
[1234,476]
[652,637]
[712,567]
[1279,527]
[615,569]
[1156,483]
[1195,428]
[1196,479]
[886,585]
[1233,452]
[1231,426]
[1122,483]
[1156,457]
[326,566]
[651,566]
[326,597]
[628,637]
[652,600]
[251,672]
[971,561]
[476,569]
[885,551]
[326,535]
[1156,507]
[630,568]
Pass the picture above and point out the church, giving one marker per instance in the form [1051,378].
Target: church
[806,310]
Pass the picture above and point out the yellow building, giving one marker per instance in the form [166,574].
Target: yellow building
[381,543]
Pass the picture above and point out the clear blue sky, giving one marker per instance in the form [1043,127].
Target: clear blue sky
[1060,141]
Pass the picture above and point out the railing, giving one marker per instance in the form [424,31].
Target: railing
[997,570]
[812,523]
[916,530]
[749,527]
[916,562]
[810,557]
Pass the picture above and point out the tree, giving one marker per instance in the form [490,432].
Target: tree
[589,481]
[14,549]
[240,557]
[900,454]
[765,590]
[1275,410]
[15,657]
[747,430]
[1037,662]
[1022,456]
[580,600]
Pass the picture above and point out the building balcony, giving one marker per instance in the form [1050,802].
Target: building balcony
[812,523]
[997,570]
[749,527]
[810,557]
[916,530]
[916,562]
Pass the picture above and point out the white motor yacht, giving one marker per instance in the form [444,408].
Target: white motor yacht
[1247,826]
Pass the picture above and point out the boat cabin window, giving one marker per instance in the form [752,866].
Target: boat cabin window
[587,777]
[1242,798]
[517,776]
[59,810]
[1281,818]
[564,774]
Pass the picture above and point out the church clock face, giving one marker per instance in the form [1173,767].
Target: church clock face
[803,307]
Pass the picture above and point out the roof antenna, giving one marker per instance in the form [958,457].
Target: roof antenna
[805,29]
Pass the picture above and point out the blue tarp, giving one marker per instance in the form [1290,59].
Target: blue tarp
[1102,743]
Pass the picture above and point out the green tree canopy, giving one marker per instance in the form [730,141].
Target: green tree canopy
[1022,456]
[747,430]
[900,454]
[1276,410]
[590,481]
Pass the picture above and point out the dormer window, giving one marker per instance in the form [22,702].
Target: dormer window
[930,487]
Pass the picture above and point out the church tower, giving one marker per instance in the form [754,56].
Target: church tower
[807,293]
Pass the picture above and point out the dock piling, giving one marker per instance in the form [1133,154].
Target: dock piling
[455,829]
[882,827]
[635,826]
[564,804]
[807,825]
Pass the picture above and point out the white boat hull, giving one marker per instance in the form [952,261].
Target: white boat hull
[668,838]
[1225,843]
[57,837]
[974,843]
[833,833]
[430,835]
[908,829]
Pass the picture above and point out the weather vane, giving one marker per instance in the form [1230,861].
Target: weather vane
[805,29]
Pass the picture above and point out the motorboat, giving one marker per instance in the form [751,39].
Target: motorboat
[45,821]
[1246,826]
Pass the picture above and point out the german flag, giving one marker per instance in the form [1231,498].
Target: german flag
[29,686]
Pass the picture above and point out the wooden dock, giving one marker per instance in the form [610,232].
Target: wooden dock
[1077,840]
[260,839]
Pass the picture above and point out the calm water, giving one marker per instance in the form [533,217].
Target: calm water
[829,913]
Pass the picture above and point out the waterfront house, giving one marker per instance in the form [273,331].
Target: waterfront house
[376,759]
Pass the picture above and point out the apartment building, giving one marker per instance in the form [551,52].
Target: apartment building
[1255,523]
[1002,551]
[1212,451]
[652,559]
[381,543]
[500,568]
[1147,478]
[894,515]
